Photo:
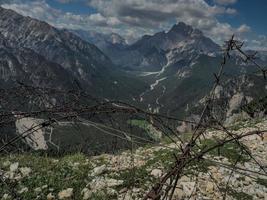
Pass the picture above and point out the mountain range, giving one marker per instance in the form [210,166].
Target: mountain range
[32,44]
[168,72]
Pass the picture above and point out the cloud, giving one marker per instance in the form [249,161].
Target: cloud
[162,14]
[243,29]
[71,1]
[134,18]
[259,43]
[43,11]
[225,2]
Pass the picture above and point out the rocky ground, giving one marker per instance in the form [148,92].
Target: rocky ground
[129,175]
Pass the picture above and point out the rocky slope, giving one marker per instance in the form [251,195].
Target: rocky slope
[82,59]
[105,42]
[129,176]
[19,64]
[84,62]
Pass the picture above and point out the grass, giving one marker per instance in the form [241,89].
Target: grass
[238,195]
[230,150]
[46,171]
[262,182]
[147,127]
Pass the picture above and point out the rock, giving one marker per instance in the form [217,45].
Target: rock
[247,181]
[264,137]
[38,190]
[6,197]
[25,171]
[184,179]
[99,170]
[23,190]
[14,167]
[113,182]
[213,169]
[50,196]
[6,164]
[178,193]
[157,173]
[127,196]
[188,187]
[112,192]
[9,175]
[86,193]
[64,194]
[97,184]
[209,187]
[261,195]
[44,187]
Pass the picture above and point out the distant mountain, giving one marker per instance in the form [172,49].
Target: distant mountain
[101,40]
[19,64]
[83,61]
[166,72]
[111,44]
[180,36]
[179,65]
[152,52]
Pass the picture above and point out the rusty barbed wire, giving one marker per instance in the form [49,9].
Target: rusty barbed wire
[76,106]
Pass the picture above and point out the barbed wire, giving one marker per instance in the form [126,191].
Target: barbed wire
[76,107]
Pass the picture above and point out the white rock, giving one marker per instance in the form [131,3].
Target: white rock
[127,196]
[209,187]
[64,194]
[113,182]
[38,190]
[25,171]
[99,170]
[6,164]
[86,193]
[98,184]
[178,193]
[188,187]
[6,197]
[157,173]
[112,192]
[50,196]
[44,187]
[247,180]
[23,190]
[14,167]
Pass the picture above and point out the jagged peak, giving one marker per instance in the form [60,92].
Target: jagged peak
[181,27]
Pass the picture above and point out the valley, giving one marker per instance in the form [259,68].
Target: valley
[90,114]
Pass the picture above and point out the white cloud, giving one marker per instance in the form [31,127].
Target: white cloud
[134,18]
[225,2]
[42,11]
[161,14]
[243,29]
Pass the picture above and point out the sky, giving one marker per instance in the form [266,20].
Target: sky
[218,19]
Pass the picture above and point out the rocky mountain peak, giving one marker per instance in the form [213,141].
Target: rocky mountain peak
[181,28]
[117,39]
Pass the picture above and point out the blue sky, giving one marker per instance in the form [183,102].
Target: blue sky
[218,19]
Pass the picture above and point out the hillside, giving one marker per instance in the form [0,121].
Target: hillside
[129,175]
[83,62]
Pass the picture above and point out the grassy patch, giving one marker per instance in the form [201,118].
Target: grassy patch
[262,181]
[230,150]
[238,195]
[147,127]
[51,175]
